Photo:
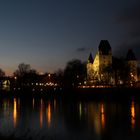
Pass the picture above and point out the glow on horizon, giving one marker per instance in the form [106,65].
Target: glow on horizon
[9,72]
[51,33]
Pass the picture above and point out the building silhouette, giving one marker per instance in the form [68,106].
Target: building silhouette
[133,65]
[100,70]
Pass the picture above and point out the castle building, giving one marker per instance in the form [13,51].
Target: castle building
[90,68]
[133,65]
[98,69]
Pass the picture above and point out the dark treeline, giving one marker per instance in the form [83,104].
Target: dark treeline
[121,70]
[73,75]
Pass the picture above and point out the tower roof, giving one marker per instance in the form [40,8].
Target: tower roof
[130,55]
[90,59]
[104,47]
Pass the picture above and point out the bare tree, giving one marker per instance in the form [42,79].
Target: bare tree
[22,70]
[74,73]
[2,73]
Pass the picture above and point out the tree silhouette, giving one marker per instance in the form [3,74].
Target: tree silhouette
[59,77]
[121,70]
[74,73]
[2,73]
[22,70]
[107,73]
[25,75]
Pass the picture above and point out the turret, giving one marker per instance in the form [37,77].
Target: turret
[133,65]
[90,59]
[104,47]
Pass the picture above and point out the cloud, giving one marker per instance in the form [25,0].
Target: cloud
[131,14]
[82,49]
[130,18]
[124,47]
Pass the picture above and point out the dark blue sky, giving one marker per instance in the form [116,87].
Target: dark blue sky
[48,33]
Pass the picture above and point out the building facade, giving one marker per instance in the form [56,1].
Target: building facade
[132,66]
[99,69]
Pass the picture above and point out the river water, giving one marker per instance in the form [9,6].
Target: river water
[60,119]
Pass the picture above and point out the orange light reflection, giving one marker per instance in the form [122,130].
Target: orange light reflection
[102,116]
[33,101]
[49,114]
[41,113]
[15,112]
[133,115]
[54,104]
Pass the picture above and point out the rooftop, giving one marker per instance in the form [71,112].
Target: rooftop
[130,55]
[90,59]
[104,47]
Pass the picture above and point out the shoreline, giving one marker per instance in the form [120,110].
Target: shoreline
[77,93]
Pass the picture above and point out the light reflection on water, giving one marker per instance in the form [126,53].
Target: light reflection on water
[102,116]
[41,113]
[48,113]
[132,115]
[33,102]
[15,112]
[40,118]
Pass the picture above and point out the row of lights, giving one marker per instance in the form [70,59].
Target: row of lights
[46,84]
[35,89]
[99,86]
[42,84]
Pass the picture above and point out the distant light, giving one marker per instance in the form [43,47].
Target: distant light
[41,73]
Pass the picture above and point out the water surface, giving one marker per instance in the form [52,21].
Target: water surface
[60,119]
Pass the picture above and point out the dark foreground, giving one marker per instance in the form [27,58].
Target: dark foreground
[80,93]
[82,114]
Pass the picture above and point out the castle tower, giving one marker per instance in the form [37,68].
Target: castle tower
[133,65]
[103,59]
[90,68]
[105,54]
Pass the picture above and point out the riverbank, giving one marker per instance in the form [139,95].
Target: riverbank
[78,93]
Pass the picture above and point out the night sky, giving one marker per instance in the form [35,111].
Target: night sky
[48,33]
